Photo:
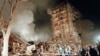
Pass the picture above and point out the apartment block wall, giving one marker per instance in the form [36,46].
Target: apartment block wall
[63,17]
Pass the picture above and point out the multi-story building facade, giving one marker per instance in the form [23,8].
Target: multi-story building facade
[63,17]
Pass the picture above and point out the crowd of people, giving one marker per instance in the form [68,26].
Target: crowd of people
[87,50]
[91,50]
[68,50]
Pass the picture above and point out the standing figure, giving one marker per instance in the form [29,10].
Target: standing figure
[93,52]
[68,51]
[98,48]
[60,50]
[83,52]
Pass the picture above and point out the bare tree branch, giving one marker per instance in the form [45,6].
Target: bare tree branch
[13,7]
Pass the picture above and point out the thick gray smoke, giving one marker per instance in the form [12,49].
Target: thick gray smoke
[24,26]
[23,23]
[24,17]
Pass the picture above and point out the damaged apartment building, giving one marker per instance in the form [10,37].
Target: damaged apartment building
[63,17]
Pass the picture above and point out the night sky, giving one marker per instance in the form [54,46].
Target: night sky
[90,9]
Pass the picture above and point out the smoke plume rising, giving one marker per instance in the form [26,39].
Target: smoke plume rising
[23,24]
[31,20]
[23,21]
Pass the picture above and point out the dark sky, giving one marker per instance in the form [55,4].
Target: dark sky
[90,9]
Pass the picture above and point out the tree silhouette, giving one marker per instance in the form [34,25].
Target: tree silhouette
[6,24]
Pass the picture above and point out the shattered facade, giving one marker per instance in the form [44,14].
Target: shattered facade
[63,17]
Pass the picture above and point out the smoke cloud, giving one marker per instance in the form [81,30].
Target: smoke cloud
[23,24]
[31,20]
